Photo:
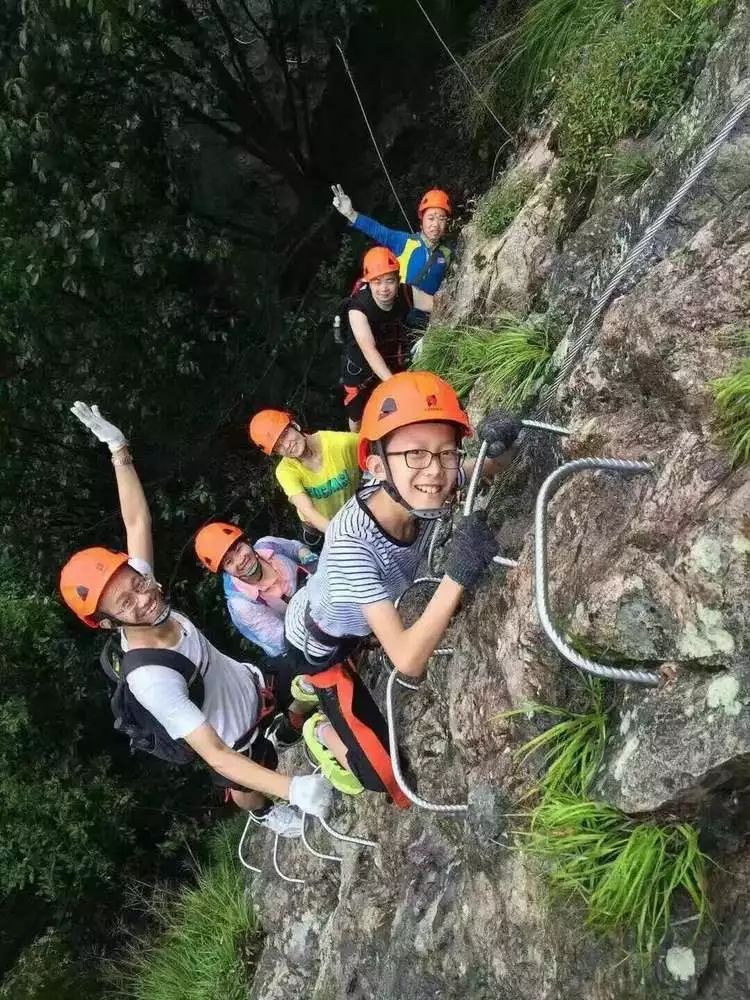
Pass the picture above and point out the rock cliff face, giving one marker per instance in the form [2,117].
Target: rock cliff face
[645,570]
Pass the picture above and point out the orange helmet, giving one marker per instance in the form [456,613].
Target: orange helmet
[408,398]
[213,542]
[435,198]
[84,577]
[266,428]
[377,262]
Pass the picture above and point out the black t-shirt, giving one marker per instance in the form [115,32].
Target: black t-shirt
[389,330]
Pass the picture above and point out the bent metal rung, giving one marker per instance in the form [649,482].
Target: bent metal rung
[306,843]
[438,807]
[279,872]
[541,581]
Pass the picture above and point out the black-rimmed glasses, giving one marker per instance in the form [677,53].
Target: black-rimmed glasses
[421,458]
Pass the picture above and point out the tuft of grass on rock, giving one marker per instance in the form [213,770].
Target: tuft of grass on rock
[502,203]
[203,940]
[550,31]
[626,170]
[627,78]
[570,751]
[509,360]
[732,397]
[626,873]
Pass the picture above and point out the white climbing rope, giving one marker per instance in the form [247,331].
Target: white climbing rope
[438,807]
[240,852]
[345,837]
[474,89]
[372,134]
[311,849]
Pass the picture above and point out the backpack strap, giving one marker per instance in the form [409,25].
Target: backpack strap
[170,658]
[431,258]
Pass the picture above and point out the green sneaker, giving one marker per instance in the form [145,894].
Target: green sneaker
[340,777]
[303,692]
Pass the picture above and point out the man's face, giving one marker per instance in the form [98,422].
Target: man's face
[384,289]
[434,224]
[418,473]
[132,598]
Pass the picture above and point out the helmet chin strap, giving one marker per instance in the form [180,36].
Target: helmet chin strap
[426,514]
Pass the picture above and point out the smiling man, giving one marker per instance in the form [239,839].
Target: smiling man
[218,709]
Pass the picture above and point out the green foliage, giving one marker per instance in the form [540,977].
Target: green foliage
[204,938]
[625,170]
[572,749]
[732,398]
[502,203]
[625,873]
[549,32]
[64,813]
[47,970]
[510,359]
[627,78]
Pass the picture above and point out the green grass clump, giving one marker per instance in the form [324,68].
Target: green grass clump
[502,203]
[552,30]
[625,873]
[205,937]
[511,359]
[626,170]
[627,78]
[572,749]
[732,397]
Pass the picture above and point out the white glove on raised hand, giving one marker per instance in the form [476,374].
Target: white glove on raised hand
[312,794]
[102,429]
[284,820]
[343,203]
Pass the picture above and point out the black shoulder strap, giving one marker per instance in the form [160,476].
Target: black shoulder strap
[135,658]
[427,264]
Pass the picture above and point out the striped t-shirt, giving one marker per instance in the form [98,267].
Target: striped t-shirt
[360,564]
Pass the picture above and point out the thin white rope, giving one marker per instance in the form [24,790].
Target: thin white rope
[474,89]
[372,134]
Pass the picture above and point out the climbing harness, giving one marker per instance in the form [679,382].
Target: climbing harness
[369,129]
[541,582]
[474,89]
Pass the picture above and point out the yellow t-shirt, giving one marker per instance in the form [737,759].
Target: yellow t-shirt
[334,483]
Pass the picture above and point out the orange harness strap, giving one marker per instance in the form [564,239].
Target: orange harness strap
[340,678]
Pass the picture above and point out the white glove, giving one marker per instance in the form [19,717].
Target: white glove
[284,820]
[102,429]
[312,794]
[343,203]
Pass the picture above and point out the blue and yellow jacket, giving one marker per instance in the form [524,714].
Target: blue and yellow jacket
[412,252]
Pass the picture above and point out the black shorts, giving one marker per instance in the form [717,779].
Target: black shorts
[355,398]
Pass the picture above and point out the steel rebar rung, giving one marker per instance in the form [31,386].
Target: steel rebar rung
[541,582]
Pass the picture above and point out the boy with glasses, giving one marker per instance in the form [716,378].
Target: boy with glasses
[412,428]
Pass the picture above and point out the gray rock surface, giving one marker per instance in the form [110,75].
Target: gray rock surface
[647,570]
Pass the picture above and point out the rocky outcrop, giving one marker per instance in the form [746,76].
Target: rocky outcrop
[648,570]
